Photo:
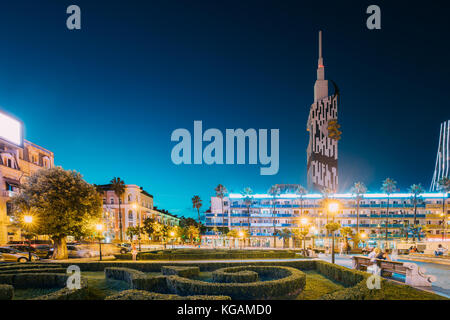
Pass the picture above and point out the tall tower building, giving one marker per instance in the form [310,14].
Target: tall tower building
[442,168]
[322,152]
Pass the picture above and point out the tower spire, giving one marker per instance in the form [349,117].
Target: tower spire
[320,64]
[321,86]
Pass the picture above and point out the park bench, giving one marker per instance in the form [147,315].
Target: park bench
[414,275]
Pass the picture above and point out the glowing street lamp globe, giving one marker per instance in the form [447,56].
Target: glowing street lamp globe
[99,227]
[333,207]
[241,234]
[304,221]
[28,219]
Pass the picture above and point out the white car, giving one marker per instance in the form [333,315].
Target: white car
[81,251]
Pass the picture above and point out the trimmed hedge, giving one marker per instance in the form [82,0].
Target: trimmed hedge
[138,280]
[26,266]
[145,295]
[204,254]
[204,266]
[186,272]
[288,284]
[68,294]
[34,280]
[33,271]
[124,274]
[6,292]
[234,275]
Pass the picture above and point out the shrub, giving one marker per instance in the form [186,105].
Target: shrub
[34,280]
[6,292]
[196,254]
[145,295]
[68,294]
[33,271]
[186,272]
[236,275]
[288,284]
[124,274]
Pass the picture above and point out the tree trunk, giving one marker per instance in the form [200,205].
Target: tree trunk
[357,217]
[60,248]
[120,223]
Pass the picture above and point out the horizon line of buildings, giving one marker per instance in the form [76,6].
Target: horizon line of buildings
[266,215]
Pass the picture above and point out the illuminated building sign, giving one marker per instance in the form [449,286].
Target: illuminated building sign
[11,129]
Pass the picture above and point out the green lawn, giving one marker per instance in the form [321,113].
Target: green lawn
[317,285]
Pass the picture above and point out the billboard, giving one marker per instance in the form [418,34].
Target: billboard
[11,129]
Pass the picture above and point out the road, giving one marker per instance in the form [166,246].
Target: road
[442,272]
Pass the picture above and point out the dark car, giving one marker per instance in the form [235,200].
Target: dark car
[43,251]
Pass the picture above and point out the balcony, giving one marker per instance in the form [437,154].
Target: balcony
[8,194]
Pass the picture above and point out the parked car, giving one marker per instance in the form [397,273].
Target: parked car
[124,247]
[41,250]
[11,254]
[81,251]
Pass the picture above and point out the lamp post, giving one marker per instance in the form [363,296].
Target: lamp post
[333,208]
[28,221]
[172,235]
[99,228]
[241,235]
[304,223]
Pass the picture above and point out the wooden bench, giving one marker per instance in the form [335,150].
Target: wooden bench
[415,276]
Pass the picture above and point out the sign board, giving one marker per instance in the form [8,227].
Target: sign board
[11,129]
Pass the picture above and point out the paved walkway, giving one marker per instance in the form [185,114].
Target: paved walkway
[441,271]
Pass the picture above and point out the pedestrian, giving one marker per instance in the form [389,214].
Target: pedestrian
[440,251]
[133,251]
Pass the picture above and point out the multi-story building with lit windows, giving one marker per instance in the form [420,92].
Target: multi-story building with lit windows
[136,206]
[19,159]
[268,214]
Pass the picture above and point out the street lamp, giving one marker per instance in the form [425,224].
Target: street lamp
[99,228]
[172,236]
[304,223]
[333,208]
[241,234]
[28,221]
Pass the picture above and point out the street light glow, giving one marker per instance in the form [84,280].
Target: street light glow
[28,219]
[333,207]
[99,227]
[304,221]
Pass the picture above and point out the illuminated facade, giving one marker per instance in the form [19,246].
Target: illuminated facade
[442,168]
[290,210]
[19,159]
[136,206]
[322,151]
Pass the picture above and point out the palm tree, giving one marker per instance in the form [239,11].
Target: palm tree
[274,191]
[444,187]
[326,192]
[358,190]
[197,204]
[300,191]
[388,187]
[118,186]
[416,190]
[221,191]
[247,193]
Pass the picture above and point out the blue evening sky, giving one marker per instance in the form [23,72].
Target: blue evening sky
[106,99]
